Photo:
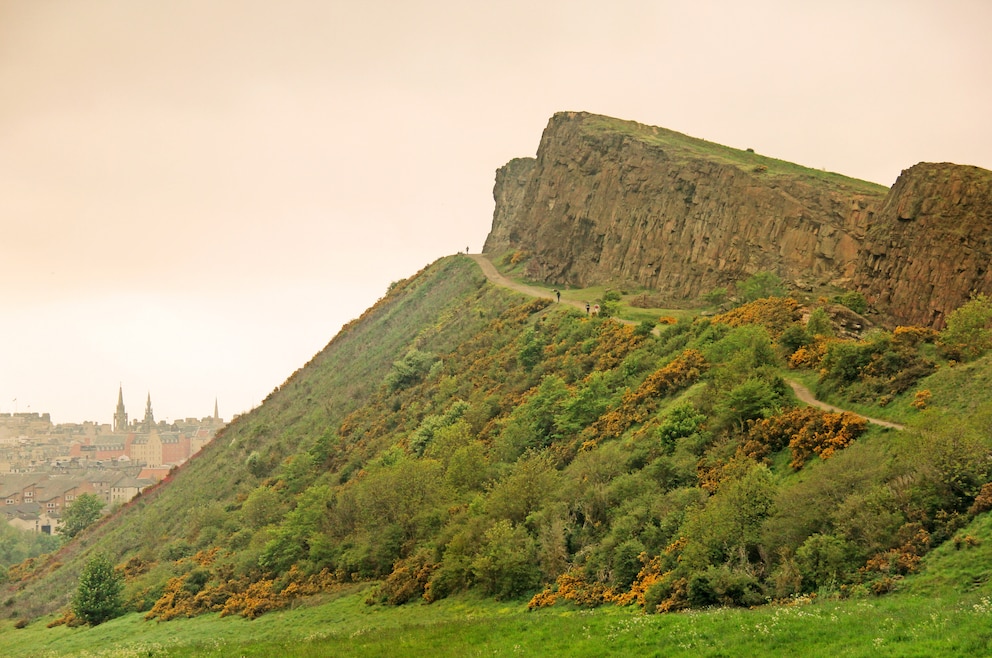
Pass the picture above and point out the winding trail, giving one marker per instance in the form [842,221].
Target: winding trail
[803,393]
[494,276]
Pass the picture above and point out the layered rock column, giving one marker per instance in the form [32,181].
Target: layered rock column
[623,207]
[929,248]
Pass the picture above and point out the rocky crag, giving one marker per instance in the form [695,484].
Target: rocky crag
[616,202]
[929,247]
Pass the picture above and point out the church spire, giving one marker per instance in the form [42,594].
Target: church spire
[149,416]
[120,416]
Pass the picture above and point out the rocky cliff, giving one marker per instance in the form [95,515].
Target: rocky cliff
[616,202]
[928,249]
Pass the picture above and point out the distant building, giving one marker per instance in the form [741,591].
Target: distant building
[120,416]
[147,443]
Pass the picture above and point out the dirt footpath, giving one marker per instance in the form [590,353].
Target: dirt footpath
[803,393]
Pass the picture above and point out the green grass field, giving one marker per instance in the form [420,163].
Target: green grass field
[939,624]
[946,610]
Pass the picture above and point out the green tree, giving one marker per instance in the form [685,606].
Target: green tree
[682,421]
[793,338]
[853,300]
[969,329]
[410,369]
[760,285]
[263,506]
[80,514]
[727,530]
[532,424]
[754,398]
[823,560]
[507,565]
[819,323]
[716,296]
[609,304]
[98,597]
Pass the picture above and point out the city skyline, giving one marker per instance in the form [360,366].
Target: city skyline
[121,405]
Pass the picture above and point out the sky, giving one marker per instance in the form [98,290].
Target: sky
[195,195]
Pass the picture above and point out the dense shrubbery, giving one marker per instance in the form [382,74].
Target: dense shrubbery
[969,330]
[517,448]
[873,369]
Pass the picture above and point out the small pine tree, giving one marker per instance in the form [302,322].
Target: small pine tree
[98,597]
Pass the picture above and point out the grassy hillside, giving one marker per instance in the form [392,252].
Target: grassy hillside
[462,443]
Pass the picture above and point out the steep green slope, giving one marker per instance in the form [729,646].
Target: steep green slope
[198,503]
[463,437]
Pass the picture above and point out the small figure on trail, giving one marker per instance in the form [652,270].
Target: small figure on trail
[587,308]
[557,294]
[595,309]
[466,250]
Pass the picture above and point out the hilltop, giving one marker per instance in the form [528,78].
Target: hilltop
[616,202]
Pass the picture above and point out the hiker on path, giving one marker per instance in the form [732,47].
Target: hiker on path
[558,294]
[587,308]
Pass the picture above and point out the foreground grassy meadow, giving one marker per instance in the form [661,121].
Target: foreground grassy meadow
[898,625]
[945,610]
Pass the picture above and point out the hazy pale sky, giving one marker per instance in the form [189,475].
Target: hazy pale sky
[196,194]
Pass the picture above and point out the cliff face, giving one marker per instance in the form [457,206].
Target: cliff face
[616,202]
[607,201]
[929,247]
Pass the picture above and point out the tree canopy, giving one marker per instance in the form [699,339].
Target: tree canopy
[81,514]
[98,597]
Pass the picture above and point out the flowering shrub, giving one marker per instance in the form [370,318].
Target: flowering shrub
[135,567]
[256,599]
[649,575]
[921,400]
[825,435]
[176,601]
[806,431]
[408,580]
[191,594]
[983,501]
[636,406]
[773,313]
[913,336]
[614,342]
[68,618]
[810,356]
[768,435]
[572,586]
[899,561]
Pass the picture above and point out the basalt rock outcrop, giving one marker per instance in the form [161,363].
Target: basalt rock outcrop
[928,249]
[620,203]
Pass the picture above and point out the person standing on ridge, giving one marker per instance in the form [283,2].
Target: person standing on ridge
[557,294]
